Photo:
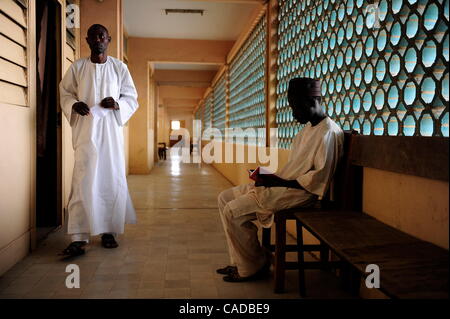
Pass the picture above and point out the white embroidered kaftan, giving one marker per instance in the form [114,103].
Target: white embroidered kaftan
[99,200]
[312,161]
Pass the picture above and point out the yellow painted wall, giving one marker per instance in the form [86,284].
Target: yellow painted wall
[16,183]
[415,205]
[110,17]
[142,52]
[185,116]
[17,160]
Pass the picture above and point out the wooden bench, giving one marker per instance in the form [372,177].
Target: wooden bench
[346,177]
[409,267]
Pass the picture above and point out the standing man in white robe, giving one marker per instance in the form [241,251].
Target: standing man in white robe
[315,152]
[98,97]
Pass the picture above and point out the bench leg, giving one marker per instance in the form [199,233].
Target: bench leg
[280,255]
[324,255]
[301,260]
[350,279]
[266,238]
[355,281]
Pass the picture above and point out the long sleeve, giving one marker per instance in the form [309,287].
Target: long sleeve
[128,103]
[68,95]
[317,180]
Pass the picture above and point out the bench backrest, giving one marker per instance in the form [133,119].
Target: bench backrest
[411,155]
[345,192]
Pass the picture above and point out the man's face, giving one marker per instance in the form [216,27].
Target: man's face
[98,40]
[302,109]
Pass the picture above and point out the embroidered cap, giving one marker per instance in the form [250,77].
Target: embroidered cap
[305,87]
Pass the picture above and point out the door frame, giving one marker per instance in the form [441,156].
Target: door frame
[59,69]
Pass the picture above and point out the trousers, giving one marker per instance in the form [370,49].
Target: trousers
[245,250]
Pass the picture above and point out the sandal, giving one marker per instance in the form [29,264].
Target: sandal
[74,249]
[260,274]
[227,270]
[108,241]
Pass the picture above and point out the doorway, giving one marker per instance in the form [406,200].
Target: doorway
[48,118]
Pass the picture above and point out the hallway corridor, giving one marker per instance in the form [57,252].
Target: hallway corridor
[172,252]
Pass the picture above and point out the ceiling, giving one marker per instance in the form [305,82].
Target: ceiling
[181,85]
[187,66]
[221,20]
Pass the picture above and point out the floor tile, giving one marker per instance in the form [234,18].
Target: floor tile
[172,251]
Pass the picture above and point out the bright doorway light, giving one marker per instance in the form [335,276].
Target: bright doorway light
[175,125]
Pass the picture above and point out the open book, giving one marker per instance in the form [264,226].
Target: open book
[253,173]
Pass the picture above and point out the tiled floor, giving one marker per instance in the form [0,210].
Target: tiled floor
[172,252]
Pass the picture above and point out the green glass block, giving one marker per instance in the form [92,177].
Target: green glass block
[356,126]
[357,78]
[409,125]
[330,108]
[341,12]
[429,54]
[426,125]
[393,97]
[410,59]
[370,74]
[331,86]
[379,99]
[378,127]
[394,65]
[338,107]
[369,45]
[367,101]
[358,51]
[445,48]
[367,129]
[446,9]
[409,93]
[444,125]
[396,6]
[392,128]
[247,83]
[359,24]
[445,87]
[396,33]
[339,83]
[356,105]
[412,26]
[382,40]
[431,16]
[347,105]
[428,89]
[348,80]
[380,70]
[349,55]
[382,10]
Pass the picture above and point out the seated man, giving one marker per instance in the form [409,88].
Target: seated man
[315,152]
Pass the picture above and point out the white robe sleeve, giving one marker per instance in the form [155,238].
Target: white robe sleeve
[68,88]
[128,103]
[317,180]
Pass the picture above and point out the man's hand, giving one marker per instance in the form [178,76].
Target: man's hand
[109,103]
[271,180]
[81,108]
